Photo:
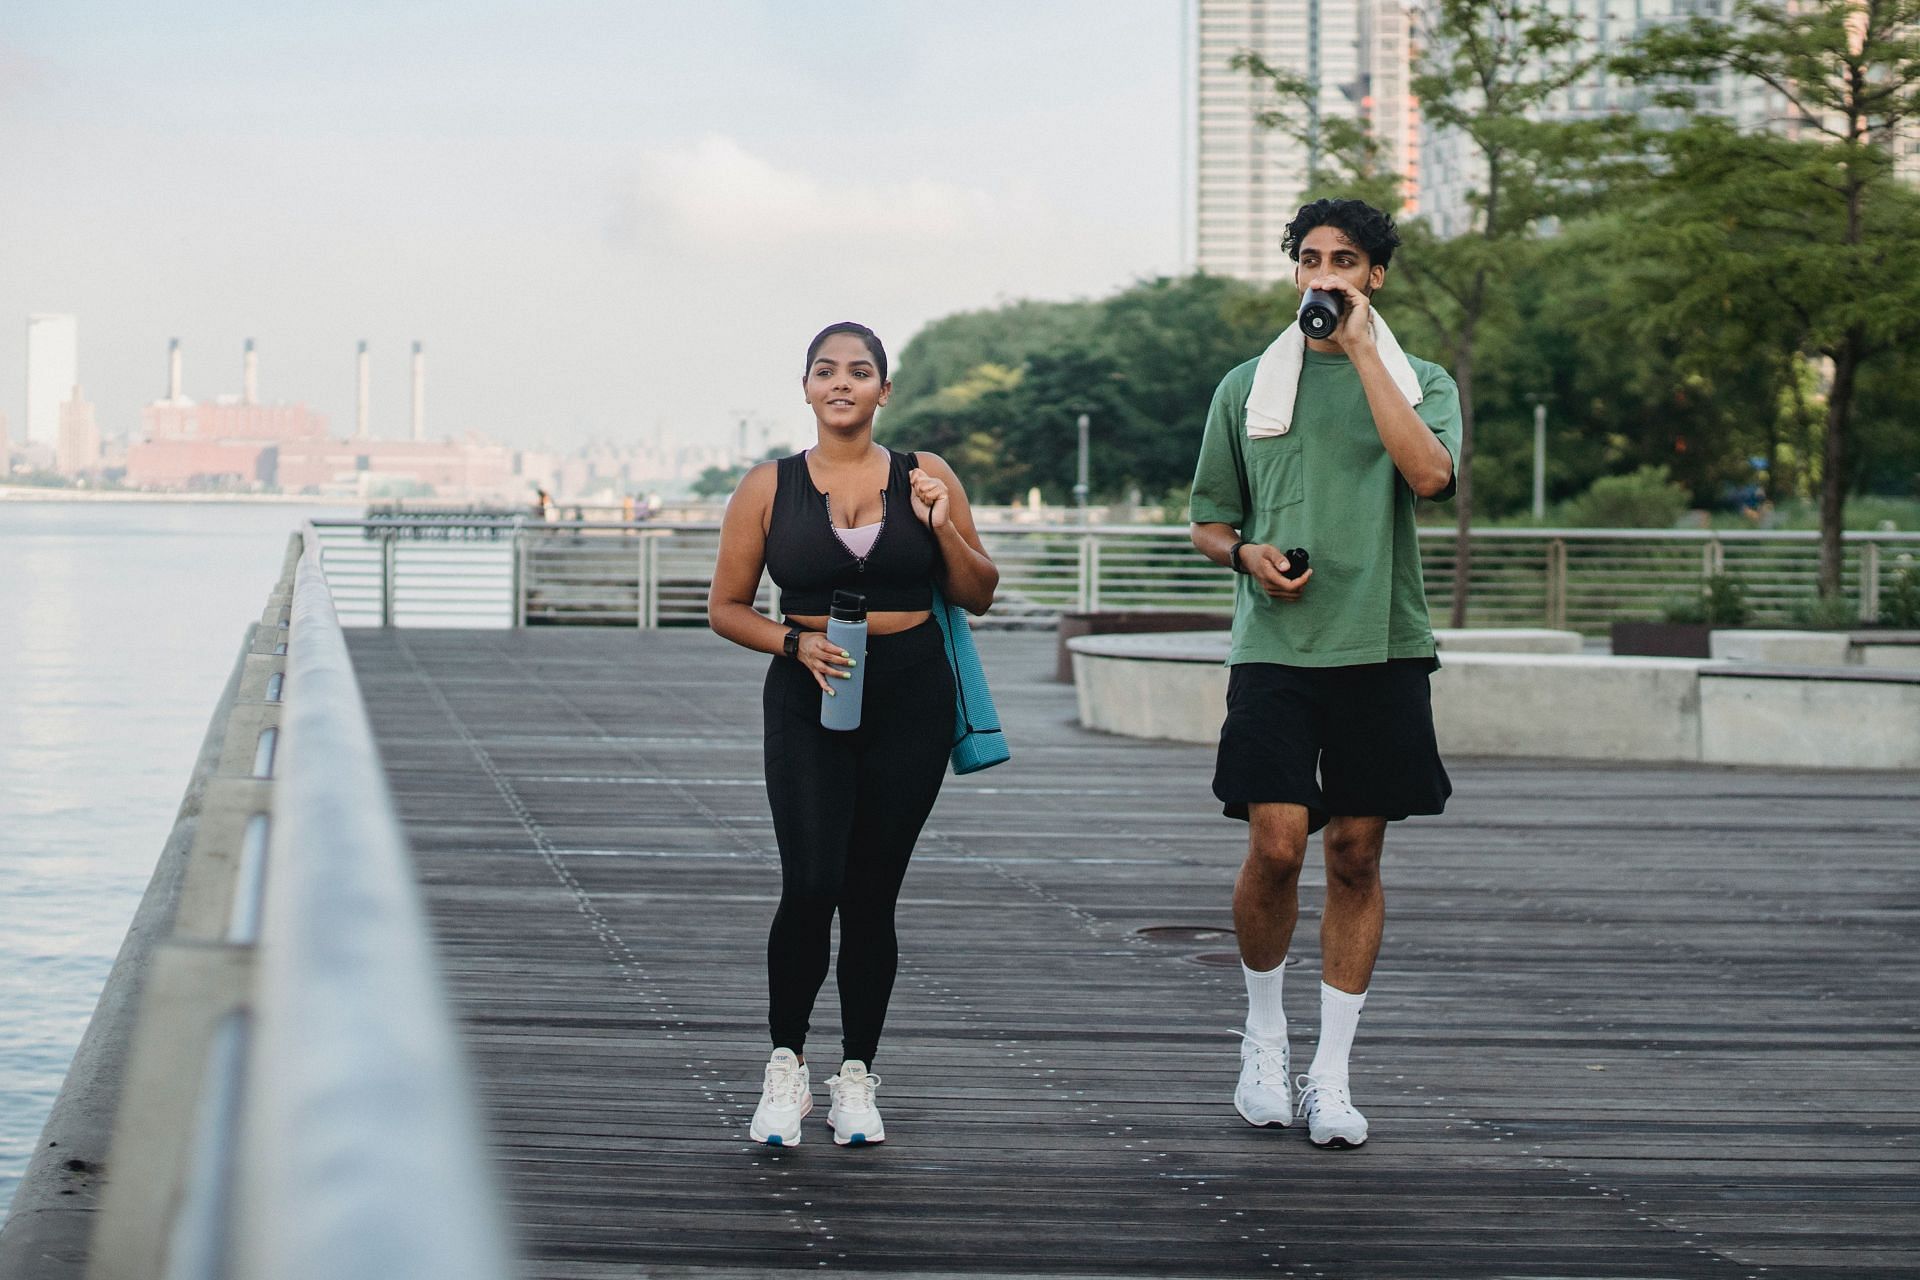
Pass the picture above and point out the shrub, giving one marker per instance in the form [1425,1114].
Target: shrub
[1825,613]
[1900,597]
[1646,499]
[1721,602]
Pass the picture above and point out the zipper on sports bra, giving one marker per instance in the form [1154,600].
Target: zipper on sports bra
[859,562]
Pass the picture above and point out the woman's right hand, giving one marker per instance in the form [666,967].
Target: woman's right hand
[826,660]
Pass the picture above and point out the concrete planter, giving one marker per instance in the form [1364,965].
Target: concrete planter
[1116,622]
[1663,639]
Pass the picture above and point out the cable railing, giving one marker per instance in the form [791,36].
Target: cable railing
[512,572]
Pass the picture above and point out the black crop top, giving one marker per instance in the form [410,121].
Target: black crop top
[808,562]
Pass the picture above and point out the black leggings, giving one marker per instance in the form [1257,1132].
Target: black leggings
[847,807]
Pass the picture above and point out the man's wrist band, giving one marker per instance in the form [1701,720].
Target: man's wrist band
[791,645]
[1233,556]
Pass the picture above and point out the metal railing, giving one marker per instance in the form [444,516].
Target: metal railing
[358,1101]
[297,1104]
[513,572]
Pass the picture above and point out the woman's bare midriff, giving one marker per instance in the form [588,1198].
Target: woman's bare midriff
[878,624]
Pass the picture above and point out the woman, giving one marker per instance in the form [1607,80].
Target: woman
[847,514]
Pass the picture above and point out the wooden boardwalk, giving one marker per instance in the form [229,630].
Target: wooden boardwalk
[1628,1021]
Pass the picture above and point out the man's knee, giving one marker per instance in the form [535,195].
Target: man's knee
[1277,840]
[1353,853]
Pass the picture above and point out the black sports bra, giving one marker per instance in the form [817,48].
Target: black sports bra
[809,562]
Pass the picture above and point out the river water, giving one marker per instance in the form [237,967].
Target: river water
[119,624]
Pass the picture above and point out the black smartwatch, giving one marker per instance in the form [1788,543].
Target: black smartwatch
[791,645]
[1233,556]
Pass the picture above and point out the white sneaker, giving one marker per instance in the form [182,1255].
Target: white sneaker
[853,1117]
[786,1096]
[1331,1119]
[1264,1097]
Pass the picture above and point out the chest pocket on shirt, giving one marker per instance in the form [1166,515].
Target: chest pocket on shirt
[1276,473]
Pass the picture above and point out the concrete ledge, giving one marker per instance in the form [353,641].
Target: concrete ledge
[1799,648]
[250,720]
[1213,646]
[1570,706]
[1507,640]
[254,680]
[1900,656]
[1899,650]
[1180,698]
[1851,718]
[206,892]
[193,987]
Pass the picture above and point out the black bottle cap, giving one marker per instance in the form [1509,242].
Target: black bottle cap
[850,606]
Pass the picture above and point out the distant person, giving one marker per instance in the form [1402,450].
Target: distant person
[1322,445]
[847,806]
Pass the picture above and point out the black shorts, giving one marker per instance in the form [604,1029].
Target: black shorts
[1343,741]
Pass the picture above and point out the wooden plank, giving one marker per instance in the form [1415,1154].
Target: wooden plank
[1629,1021]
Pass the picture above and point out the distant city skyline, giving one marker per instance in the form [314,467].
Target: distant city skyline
[602,220]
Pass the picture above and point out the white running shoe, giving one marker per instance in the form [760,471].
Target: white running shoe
[853,1117]
[786,1096]
[1264,1097]
[1331,1119]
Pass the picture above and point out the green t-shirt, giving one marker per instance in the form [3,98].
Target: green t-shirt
[1328,486]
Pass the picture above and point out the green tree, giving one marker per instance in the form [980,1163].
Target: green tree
[1142,365]
[718,482]
[946,351]
[1688,356]
[1823,212]
[1486,70]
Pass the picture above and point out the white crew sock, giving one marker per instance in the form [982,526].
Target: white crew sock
[1339,1019]
[1266,1015]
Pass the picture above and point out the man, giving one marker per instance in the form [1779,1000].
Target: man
[1322,445]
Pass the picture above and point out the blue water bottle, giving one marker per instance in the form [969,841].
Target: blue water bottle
[846,629]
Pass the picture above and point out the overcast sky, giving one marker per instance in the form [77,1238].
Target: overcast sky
[603,217]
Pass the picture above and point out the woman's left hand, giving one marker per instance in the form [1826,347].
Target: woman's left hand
[931,494]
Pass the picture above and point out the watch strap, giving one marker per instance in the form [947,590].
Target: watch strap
[791,645]
[1233,556]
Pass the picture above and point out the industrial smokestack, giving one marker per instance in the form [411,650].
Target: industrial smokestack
[419,393]
[173,369]
[251,393]
[361,432]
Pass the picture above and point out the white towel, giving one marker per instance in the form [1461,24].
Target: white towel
[1277,378]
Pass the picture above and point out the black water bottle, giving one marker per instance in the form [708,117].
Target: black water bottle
[1320,312]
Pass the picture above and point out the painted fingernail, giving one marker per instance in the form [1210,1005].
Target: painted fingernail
[844,675]
[845,654]
[851,660]
[832,694]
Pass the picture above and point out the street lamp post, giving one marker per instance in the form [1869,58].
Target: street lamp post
[1080,490]
[1539,458]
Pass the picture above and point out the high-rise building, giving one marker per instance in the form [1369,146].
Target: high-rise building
[1247,181]
[53,369]
[78,451]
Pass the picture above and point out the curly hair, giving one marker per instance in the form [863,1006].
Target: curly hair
[1363,224]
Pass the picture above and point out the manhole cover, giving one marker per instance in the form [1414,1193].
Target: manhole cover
[1183,933]
[1217,959]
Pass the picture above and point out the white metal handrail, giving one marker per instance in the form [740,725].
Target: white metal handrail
[361,1150]
[402,572]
